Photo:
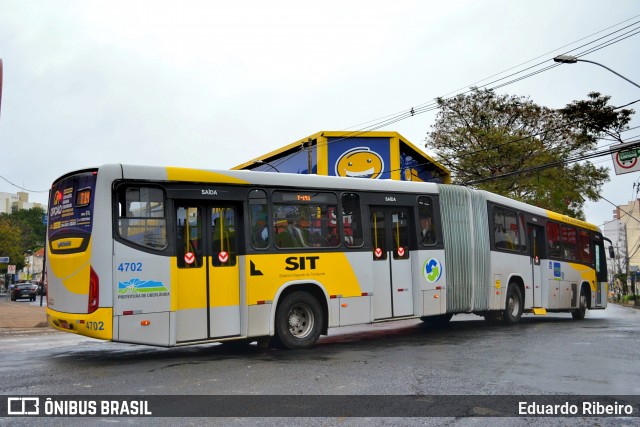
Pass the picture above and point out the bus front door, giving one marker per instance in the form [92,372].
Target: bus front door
[536,252]
[207,273]
[393,289]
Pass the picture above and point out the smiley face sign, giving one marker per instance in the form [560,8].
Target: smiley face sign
[360,162]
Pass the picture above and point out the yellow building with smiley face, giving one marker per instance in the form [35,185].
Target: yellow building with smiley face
[367,155]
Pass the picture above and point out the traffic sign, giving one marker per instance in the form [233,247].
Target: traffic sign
[625,160]
[11,269]
[627,155]
[4,259]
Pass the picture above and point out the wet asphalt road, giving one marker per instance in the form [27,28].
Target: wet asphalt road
[543,355]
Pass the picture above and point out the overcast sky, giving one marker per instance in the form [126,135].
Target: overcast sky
[212,84]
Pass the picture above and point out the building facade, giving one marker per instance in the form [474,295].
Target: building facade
[10,202]
[367,155]
[615,231]
[629,217]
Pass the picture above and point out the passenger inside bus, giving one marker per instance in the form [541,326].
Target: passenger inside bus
[292,236]
[260,231]
[426,234]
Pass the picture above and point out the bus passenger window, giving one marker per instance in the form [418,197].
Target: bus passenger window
[553,240]
[427,232]
[304,219]
[506,229]
[352,220]
[258,219]
[569,243]
[141,217]
[584,246]
[292,236]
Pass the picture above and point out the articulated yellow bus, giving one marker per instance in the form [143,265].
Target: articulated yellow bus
[172,256]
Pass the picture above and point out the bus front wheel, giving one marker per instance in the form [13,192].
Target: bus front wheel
[513,310]
[298,320]
[580,312]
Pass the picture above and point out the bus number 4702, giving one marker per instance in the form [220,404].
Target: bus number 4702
[95,326]
[130,266]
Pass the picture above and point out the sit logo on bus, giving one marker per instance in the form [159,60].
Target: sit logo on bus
[300,263]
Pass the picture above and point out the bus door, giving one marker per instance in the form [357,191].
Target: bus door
[208,284]
[536,253]
[393,288]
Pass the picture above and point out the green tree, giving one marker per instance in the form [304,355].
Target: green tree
[499,142]
[21,231]
[33,229]
[10,244]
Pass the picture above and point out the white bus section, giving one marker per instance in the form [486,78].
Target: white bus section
[462,275]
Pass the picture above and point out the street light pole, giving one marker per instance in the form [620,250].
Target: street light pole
[568,59]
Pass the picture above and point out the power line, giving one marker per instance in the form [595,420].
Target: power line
[281,160]
[391,119]
[22,188]
[567,161]
[429,105]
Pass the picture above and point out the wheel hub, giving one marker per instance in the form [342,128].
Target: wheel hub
[294,320]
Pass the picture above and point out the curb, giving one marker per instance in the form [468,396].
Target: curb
[21,314]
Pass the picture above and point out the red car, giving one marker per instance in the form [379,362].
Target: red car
[23,291]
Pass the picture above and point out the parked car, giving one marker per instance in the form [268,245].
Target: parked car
[23,291]
[42,289]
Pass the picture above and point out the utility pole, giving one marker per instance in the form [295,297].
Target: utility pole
[309,156]
[44,271]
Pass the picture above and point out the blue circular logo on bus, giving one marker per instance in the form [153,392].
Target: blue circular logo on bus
[432,270]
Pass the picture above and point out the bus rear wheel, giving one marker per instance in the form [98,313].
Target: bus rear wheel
[581,311]
[514,307]
[299,320]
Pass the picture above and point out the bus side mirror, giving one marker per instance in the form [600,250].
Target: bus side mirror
[612,254]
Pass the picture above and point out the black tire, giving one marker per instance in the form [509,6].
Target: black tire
[438,321]
[514,305]
[299,320]
[581,311]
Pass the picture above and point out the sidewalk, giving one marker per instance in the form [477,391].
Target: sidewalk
[22,314]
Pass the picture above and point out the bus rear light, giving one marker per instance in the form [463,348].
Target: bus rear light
[94,291]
